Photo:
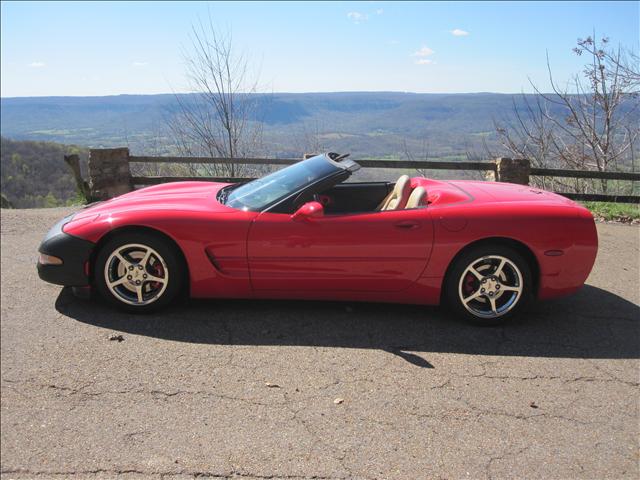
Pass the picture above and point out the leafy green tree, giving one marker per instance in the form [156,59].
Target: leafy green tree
[34,174]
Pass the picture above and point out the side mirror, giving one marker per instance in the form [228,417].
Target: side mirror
[308,211]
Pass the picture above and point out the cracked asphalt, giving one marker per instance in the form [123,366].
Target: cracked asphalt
[250,389]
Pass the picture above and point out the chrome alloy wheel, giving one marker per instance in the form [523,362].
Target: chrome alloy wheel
[136,274]
[490,286]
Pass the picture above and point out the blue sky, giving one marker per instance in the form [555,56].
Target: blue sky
[103,48]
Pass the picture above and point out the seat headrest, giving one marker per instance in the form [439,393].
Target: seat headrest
[397,199]
[417,198]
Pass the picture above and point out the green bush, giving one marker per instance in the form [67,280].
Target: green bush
[625,212]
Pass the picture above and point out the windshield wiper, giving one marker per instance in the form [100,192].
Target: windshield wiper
[223,194]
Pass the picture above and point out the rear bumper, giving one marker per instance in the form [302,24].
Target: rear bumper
[566,274]
[74,252]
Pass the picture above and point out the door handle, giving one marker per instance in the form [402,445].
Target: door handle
[408,225]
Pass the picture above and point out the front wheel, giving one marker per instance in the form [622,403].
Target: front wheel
[488,284]
[138,272]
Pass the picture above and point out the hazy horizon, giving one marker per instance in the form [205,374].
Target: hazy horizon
[273,93]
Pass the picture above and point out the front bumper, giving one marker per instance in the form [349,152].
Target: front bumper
[73,251]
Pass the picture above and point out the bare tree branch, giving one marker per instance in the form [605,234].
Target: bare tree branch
[220,118]
[591,124]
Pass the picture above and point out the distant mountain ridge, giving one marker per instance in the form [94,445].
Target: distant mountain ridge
[368,123]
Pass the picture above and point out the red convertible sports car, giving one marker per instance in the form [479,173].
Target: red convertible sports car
[484,249]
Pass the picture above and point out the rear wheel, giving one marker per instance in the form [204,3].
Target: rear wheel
[488,284]
[138,272]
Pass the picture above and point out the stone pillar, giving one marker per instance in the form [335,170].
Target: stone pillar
[109,174]
[512,170]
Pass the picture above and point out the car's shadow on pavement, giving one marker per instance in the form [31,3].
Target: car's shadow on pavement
[593,323]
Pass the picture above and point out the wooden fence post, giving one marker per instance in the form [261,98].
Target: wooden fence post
[109,174]
[513,170]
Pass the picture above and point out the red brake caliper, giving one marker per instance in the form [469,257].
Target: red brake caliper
[468,284]
[158,271]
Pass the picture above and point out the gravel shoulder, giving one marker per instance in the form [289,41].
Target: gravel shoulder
[252,389]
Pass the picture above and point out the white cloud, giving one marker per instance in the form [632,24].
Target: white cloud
[139,64]
[423,52]
[357,17]
[37,64]
[459,33]
[423,61]
[394,42]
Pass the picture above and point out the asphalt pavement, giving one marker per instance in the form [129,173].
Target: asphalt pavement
[302,390]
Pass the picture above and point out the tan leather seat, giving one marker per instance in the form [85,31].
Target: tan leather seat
[418,198]
[397,199]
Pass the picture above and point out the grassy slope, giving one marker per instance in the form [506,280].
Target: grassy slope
[619,212]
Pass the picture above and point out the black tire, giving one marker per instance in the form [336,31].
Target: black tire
[484,256]
[164,262]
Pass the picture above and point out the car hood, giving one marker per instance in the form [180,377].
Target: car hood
[175,196]
[509,192]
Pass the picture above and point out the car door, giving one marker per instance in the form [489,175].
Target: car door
[376,251]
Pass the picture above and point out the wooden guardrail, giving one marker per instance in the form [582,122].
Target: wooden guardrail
[409,164]
[290,161]
[594,175]
[557,172]
[110,174]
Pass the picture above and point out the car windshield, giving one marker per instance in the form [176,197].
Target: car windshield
[263,192]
